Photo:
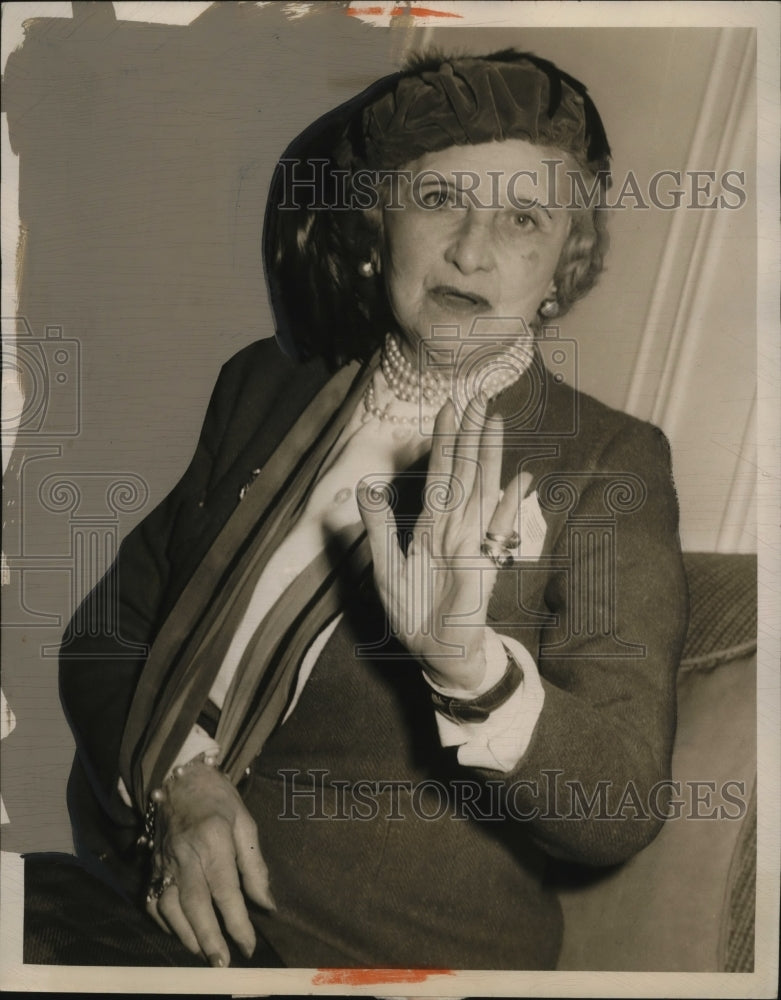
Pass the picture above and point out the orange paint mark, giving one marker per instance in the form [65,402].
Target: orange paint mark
[370,977]
[399,12]
[423,12]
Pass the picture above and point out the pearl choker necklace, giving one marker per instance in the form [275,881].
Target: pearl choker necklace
[431,391]
[405,382]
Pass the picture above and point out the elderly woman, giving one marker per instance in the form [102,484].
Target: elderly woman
[434,644]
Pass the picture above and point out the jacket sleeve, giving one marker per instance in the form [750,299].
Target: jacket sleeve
[592,781]
[105,645]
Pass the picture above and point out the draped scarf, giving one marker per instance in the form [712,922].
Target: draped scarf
[187,653]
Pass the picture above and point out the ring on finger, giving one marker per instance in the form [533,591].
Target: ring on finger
[158,886]
[509,542]
[499,556]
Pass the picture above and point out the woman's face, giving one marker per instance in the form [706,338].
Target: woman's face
[447,261]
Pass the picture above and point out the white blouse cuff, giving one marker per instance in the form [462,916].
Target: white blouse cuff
[502,739]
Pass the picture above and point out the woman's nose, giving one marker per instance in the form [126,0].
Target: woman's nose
[471,246]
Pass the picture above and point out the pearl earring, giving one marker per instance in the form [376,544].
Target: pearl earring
[366,269]
[549,308]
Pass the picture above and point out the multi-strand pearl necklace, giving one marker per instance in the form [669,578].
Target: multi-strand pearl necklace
[405,382]
[431,391]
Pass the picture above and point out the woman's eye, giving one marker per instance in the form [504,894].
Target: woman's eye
[435,198]
[524,220]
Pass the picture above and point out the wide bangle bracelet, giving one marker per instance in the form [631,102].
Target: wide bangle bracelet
[478,709]
[147,838]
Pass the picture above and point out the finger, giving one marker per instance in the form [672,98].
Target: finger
[375,510]
[223,879]
[485,495]
[380,525]
[419,583]
[151,909]
[467,449]
[440,467]
[152,900]
[196,902]
[170,911]
[506,516]
[441,458]
[254,873]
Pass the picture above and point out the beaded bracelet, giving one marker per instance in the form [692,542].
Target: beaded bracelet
[147,838]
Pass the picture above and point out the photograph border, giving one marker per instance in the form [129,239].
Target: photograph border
[763,981]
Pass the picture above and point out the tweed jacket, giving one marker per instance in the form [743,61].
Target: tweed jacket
[603,610]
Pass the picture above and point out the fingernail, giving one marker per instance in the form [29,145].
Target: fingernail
[247,950]
[216,961]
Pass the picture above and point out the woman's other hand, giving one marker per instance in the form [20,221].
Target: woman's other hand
[436,596]
[206,842]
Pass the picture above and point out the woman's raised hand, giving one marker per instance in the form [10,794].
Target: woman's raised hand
[207,850]
[436,596]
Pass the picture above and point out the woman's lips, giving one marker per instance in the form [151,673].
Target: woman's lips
[458,301]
